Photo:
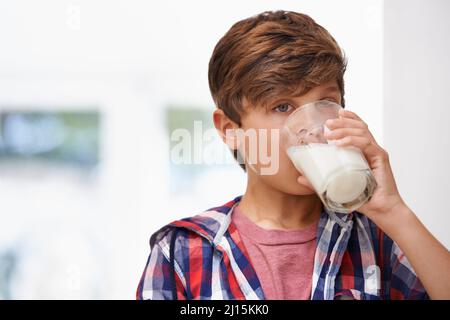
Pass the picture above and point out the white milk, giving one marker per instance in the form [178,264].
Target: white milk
[340,171]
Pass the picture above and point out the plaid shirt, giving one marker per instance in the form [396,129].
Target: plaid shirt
[203,257]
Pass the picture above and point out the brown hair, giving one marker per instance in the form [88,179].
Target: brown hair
[270,54]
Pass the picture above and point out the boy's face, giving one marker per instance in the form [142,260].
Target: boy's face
[282,175]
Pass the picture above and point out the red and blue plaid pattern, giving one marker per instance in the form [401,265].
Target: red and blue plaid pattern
[354,259]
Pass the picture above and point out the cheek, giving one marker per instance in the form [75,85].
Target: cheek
[261,146]
[279,159]
[261,143]
[287,168]
[277,151]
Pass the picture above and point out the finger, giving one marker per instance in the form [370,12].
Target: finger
[345,122]
[349,114]
[343,132]
[366,145]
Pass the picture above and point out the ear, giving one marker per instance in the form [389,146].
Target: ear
[226,128]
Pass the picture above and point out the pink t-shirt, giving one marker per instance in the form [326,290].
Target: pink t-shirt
[283,260]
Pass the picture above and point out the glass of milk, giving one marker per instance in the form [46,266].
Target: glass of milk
[340,175]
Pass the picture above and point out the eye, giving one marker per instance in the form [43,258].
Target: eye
[284,107]
[332,100]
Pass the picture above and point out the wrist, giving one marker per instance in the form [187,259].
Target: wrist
[394,220]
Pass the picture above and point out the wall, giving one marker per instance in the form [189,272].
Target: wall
[416,106]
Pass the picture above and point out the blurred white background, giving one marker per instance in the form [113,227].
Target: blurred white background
[89,93]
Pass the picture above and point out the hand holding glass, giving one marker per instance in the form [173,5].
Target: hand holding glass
[340,176]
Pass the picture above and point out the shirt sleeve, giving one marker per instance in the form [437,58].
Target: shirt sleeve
[404,283]
[157,280]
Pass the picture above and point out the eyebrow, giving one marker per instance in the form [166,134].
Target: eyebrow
[271,101]
[332,88]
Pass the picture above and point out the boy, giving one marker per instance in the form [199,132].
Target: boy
[276,241]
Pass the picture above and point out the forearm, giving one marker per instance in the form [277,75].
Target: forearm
[429,258]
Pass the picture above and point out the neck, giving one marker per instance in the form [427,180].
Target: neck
[272,209]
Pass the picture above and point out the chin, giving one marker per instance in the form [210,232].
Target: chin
[304,191]
[286,182]
[297,189]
